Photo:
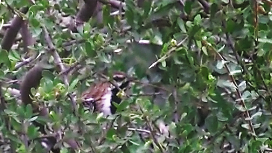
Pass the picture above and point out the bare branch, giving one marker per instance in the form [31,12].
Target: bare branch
[13,30]
[168,54]
[84,14]
[205,5]
[59,63]
[28,40]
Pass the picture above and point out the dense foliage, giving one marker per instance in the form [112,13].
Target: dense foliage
[203,72]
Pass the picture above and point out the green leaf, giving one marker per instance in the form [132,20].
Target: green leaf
[255,145]
[16,125]
[257,114]
[240,108]
[263,19]
[230,26]
[36,31]
[14,138]
[107,19]
[195,29]
[181,25]
[188,7]
[122,106]
[197,19]
[211,123]
[163,63]
[220,64]
[13,55]
[129,13]
[10,113]
[54,116]
[242,86]
[64,150]
[48,75]
[4,58]
[214,9]
[204,49]
[204,71]
[111,133]
[21,110]
[73,85]
[89,47]
[48,85]
[44,3]
[33,118]
[246,43]
[32,132]
[104,58]
[2,74]
[265,40]
[29,111]
[9,2]
[147,8]
[246,126]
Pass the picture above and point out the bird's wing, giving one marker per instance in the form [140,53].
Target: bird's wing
[96,92]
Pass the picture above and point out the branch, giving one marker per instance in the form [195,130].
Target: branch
[168,54]
[26,61]
[27,38]
[152,132]
[205,5]
[238,93]
[144,94]
[84,14]
[114,3]
[13,30]
[59,63]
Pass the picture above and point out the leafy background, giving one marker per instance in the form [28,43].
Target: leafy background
[203,72]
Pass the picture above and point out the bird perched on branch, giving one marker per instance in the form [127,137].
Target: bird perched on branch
[104,94]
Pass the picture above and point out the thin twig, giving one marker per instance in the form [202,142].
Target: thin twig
[59,63]
[152,133]
[151,85]
[242,63]
[72,67]
[27,61]
[137,130]
[103,138]
[168,54]
[144,94]
[72,42]
[238,93]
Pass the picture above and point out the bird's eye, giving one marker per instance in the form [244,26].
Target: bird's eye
[118,79]
[90,100]
[119,76]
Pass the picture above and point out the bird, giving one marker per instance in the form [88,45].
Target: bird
[103,94]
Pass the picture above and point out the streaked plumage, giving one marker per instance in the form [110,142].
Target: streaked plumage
[102,95]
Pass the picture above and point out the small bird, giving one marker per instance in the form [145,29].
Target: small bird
[101,95]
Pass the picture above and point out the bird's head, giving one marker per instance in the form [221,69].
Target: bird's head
[120,80]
